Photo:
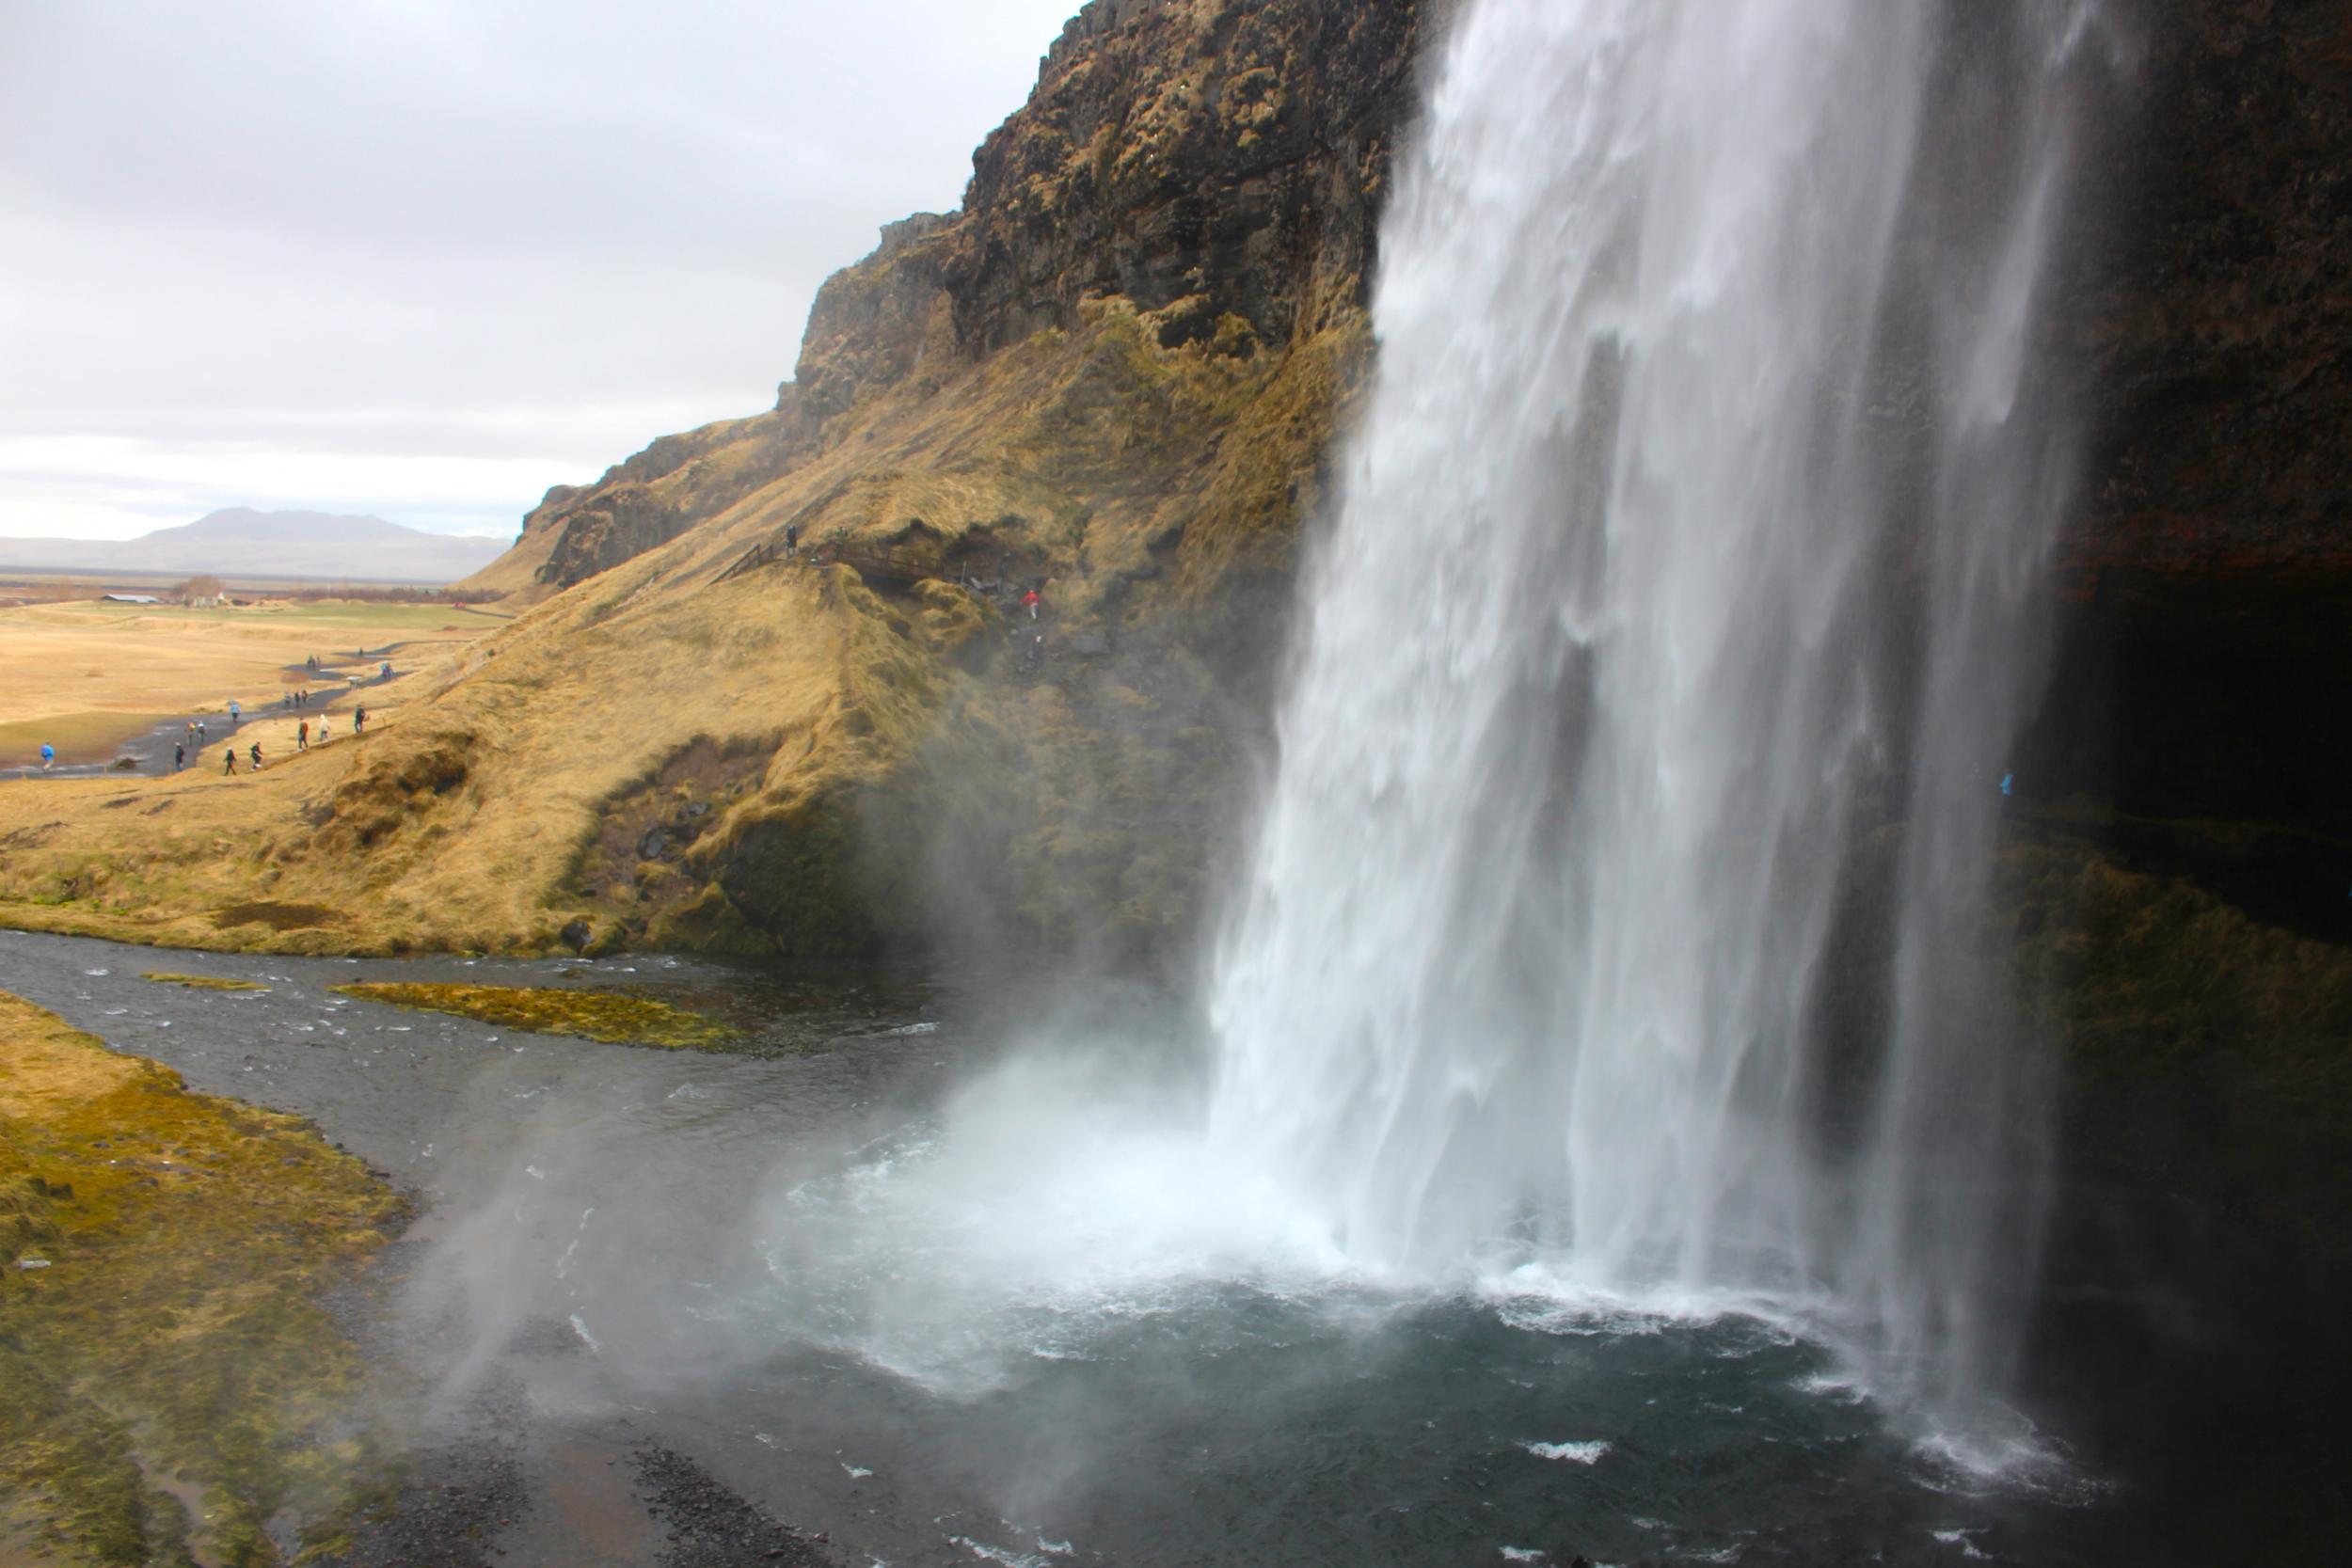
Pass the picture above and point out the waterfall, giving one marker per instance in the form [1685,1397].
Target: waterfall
[1681,589]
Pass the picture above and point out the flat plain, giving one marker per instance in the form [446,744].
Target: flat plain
[86,675]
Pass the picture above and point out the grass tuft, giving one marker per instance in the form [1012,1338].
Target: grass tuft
[595,1015]
[201,982]
[277,917]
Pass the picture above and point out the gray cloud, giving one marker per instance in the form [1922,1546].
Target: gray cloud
[467,250]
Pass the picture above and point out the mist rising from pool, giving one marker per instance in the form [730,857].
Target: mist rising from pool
[1682,564]
[1683,573]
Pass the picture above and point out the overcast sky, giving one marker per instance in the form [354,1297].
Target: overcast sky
[425,257]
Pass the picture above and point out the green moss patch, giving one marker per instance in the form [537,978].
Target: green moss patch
[200,982]
[2228,1042]
[596,1015]
[174,1390]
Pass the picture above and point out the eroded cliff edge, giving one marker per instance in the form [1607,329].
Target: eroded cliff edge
[1113,376]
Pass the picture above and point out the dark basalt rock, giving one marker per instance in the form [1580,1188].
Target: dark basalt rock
[2203,670]
[1223,163]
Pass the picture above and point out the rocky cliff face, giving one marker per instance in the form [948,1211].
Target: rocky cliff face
[1113,376]
[2222,323]
[2202,679]
[1115,373]
[1216,166]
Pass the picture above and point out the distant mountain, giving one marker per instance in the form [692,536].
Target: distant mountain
[241,542]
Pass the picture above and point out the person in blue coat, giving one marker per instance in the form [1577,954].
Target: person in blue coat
[48,755]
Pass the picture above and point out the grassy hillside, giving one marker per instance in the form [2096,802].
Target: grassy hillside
[790,756]
[1114,377]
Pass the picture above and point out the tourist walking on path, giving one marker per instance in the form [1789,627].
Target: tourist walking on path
[179,758]
[257,756]
[48,755]
[1031,598]
[359,720]
[321,738]
[236,713]
[302,736]
[229,760]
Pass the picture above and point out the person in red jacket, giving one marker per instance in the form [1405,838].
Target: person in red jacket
[1032,599]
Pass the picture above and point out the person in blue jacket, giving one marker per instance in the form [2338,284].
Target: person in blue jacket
[48,755]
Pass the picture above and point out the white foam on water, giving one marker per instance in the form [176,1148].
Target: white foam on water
[1959,1538]
[2003,1451]
[1603,682]
[856,1472]
[1005,1554]
[1521,1554]
[1601,692]
[1570,1453]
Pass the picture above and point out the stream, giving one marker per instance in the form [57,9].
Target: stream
[883,1277]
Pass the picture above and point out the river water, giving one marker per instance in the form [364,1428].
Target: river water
[1498,1199]
[838,1274]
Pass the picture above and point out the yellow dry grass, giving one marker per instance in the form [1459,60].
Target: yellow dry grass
[456,820]
[85,676]
[779,725]
[76,736]
[200,982]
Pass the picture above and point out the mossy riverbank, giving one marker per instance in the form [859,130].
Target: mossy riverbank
[175,1392]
